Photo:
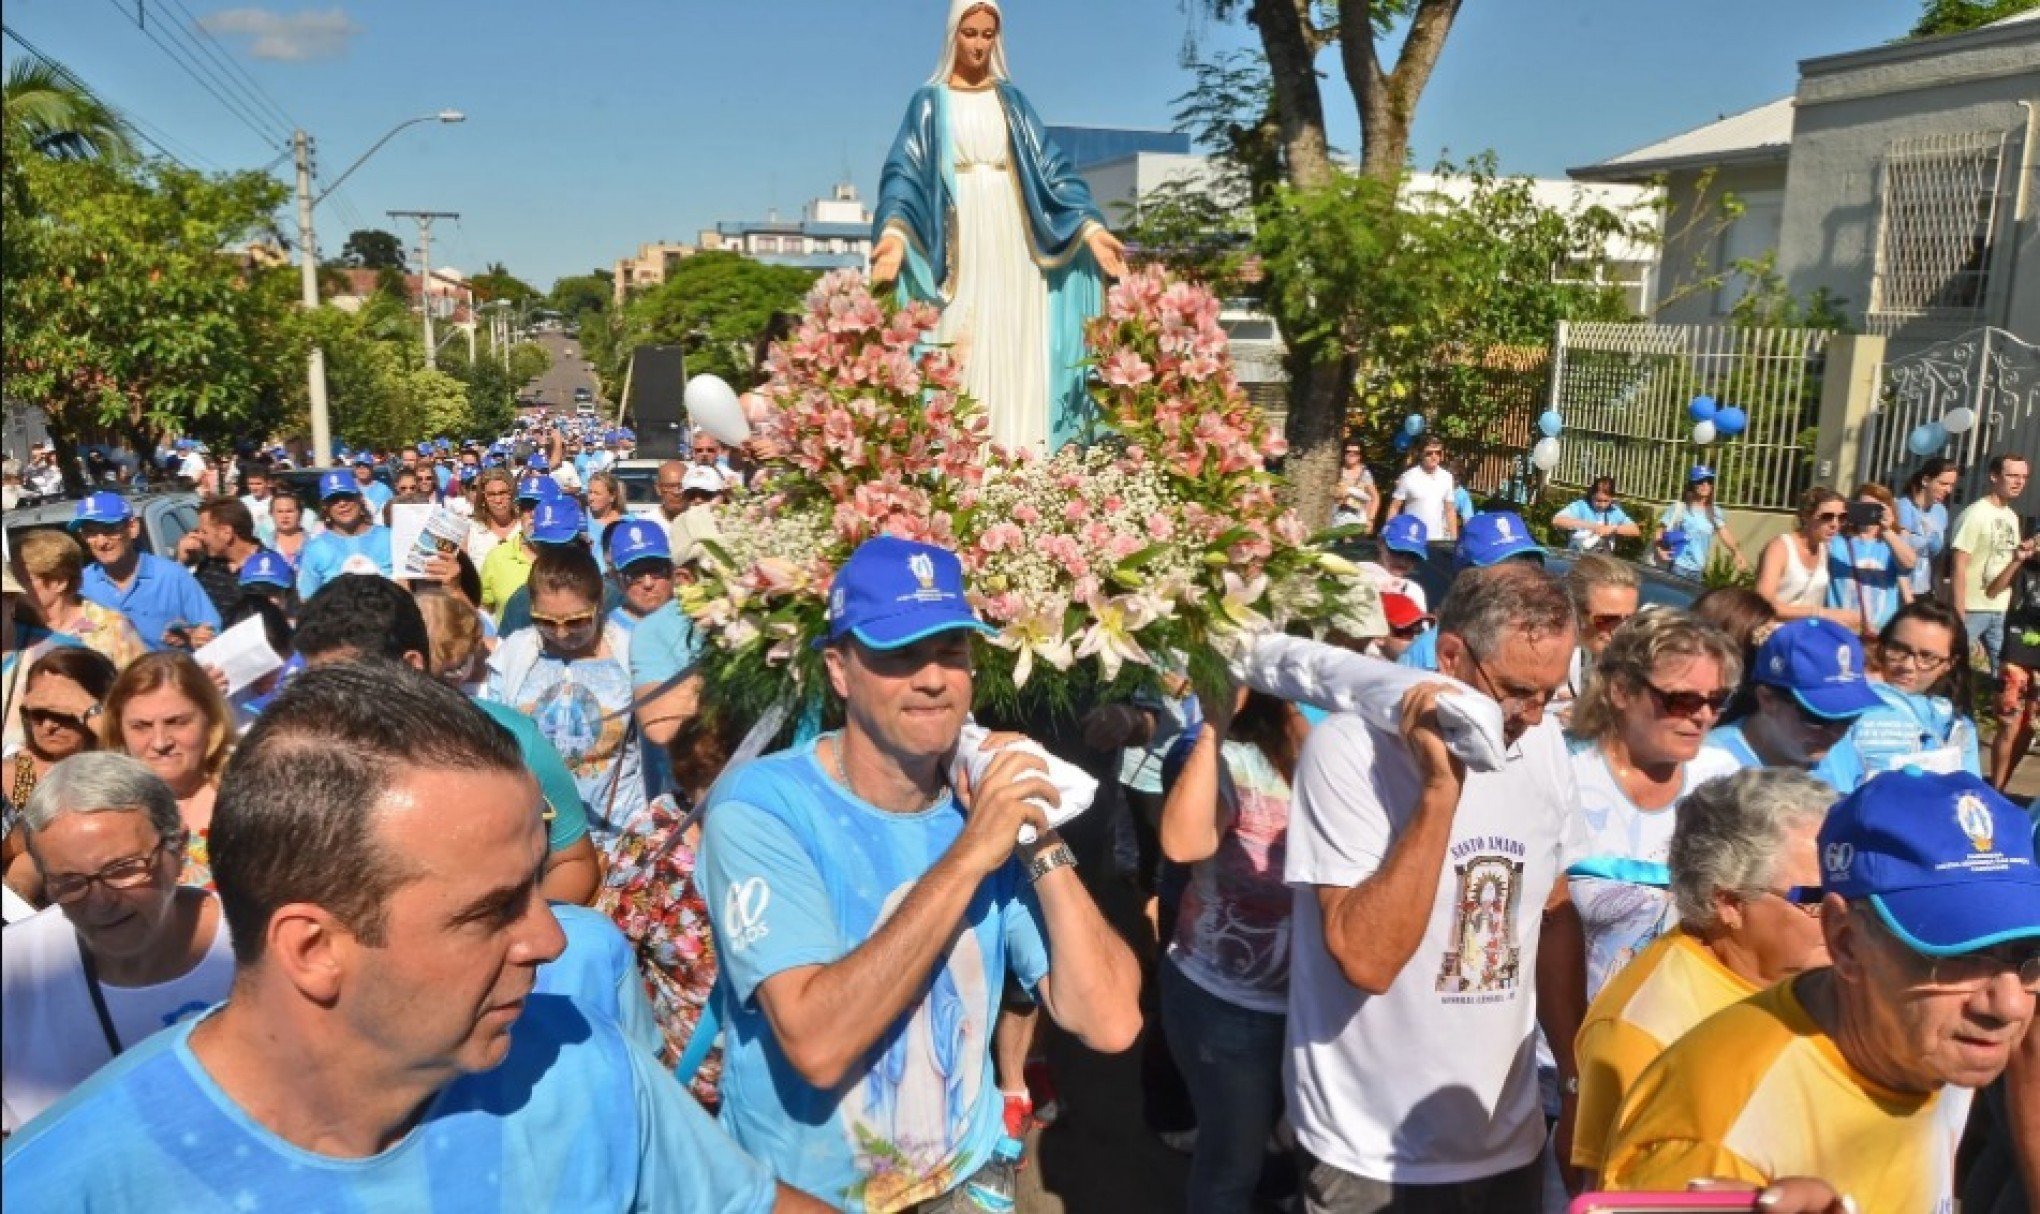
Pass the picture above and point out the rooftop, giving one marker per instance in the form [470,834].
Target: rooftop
[1758,136]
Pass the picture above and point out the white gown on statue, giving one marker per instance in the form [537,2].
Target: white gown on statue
[997,321]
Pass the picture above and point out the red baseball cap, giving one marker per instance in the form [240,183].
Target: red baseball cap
[1402,611]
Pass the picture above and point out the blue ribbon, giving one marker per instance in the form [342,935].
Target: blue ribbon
[1623,869]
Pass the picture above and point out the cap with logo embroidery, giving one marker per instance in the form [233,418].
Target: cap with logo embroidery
[337,483]
[266,568]
[536,487]
[558,520]
[894,592]
[1945,859]
[101,507]
[1700,472]
[635,539]
[1821,664]
[1491,538]
[1406,533]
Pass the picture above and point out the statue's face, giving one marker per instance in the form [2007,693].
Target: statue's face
[976,34]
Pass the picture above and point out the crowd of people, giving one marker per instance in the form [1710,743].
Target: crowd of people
[477,901]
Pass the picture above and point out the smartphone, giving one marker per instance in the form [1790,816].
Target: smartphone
[1661,1203]
[1865,514]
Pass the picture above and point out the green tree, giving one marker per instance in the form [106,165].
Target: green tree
[1954,16]
[46,110]
[127,311]
[580,295]
[373,249]
[497,282]
[716,307]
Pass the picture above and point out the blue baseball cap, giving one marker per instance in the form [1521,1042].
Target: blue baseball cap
[536,487]
[337,483]
[635,539]
[101,507]
[1700,472]
[1406,533]
[1945,859]
[1494,537]
[266,568]
[364,460]
[559,520]
[894,592]
[537,464]
[1821,664]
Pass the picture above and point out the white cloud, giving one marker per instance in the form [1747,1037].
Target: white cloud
[292,37]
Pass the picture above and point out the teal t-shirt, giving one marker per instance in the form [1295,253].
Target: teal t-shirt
[574,1119]
[569,822]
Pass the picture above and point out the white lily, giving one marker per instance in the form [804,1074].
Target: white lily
[1110,637]
[1237,604]
[1039,633]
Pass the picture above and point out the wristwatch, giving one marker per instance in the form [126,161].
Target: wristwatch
[1049,859]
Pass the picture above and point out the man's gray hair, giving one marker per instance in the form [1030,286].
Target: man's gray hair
[101,781]
[1484,604]
[1731,834]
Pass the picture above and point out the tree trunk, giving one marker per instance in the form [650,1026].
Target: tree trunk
[1318,394]
[68,463]
[1291,45]
[1387,101]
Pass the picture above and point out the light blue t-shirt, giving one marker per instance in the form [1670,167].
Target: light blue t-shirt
[574,1119]
[1582,511]
[1698,524]
[326,555]
[1863,577]
[598,971]
[1730,738]
[1423,652]
[161,593]
[662,645]
[377,495]
[1895,732]
[797,872]
[1927,533]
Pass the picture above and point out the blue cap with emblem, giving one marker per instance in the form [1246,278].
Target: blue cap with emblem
[101,507]
[1821,664]
[1494,537]
[537,487]
[558,520]
[337,483]
[1406,533]
[635,539]
[894,592]
[1944,858]
[266,568]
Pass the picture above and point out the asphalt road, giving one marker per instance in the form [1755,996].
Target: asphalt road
[555,388]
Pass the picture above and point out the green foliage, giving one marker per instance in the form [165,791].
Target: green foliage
[373,249]
[716,306]
[528,361]
[48,112]
[497,282]
[581,295]
[1770,304]
[126,308]
[1954,16]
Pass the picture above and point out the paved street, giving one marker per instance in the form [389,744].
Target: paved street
[555,389]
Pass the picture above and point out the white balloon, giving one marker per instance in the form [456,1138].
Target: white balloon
[1703,433]
[1958,420]
[1545,454]
[713,406]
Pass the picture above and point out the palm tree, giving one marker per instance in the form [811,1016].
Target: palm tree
[46,109]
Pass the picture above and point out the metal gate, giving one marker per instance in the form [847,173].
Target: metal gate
[1988,371]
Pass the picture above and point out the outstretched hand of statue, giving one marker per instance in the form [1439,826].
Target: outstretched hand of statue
[1104,246]
[885,260]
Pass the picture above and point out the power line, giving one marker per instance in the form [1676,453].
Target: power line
[142,129]
[197,53]
[200,75]
[223,56]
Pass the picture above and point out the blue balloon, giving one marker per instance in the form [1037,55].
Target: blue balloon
[1550,424]
[1731,421]
[1402,441]
[1413,425]
[1927,438]
[1703,409]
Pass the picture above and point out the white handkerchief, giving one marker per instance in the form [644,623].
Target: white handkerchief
[1073,785]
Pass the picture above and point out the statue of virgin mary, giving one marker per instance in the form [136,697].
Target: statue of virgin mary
[982,215]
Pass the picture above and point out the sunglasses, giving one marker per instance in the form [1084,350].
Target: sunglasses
[1610,621]
[1689,703]
[1830,517]
[647,571]
[564,623]
[33,717]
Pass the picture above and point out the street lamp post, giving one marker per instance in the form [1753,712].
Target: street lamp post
[308,265]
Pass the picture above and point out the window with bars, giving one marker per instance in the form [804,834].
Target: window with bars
[1937,218]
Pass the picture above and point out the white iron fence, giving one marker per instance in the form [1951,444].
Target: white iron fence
[1988,371]
[1624,391]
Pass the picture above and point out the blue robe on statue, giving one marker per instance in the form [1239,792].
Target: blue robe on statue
[916,197]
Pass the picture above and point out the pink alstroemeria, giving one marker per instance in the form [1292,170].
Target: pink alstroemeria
[1126,370]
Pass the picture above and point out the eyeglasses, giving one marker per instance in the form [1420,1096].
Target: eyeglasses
[1410,632]
[1830,516]
[1808,900]
[1514,704]
[1610,621]
[1689,703]
[564,623]
[81,723]
[131,873]
[1895,653]
[646,571]
[1968,971]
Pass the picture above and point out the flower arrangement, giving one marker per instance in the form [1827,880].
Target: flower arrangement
[1103,567]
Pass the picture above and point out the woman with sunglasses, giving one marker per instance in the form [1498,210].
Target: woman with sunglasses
[1921,685]
[1793,571]
[570,671]
[1356,499]
[60,706]
[166,711]
[122,950]
[1657,689]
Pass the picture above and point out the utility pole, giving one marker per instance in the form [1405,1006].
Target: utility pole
[425,219]
[308,281]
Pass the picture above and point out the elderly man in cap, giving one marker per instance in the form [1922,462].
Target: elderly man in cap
[162,599]
[867,913]
[352,542]
[1931,913]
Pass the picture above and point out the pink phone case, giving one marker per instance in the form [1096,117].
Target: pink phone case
[1653,1203]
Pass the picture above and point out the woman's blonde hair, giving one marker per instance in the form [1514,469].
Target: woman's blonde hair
[1632,657]
[54,557]
[455,630]
[172,668]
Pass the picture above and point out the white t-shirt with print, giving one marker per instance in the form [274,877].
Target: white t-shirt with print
[1426,494]
[51,1040]
[1433,1081]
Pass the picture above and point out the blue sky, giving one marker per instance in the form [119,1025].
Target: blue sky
[595,125]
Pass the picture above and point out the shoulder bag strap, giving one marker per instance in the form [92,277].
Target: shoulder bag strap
[92,988]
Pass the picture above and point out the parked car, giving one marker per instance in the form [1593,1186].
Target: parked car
[166,518]
[1435,575]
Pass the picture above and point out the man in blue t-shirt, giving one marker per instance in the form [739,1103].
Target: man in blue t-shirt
[866,916]
[160,597]
[377,849]
[353,542]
